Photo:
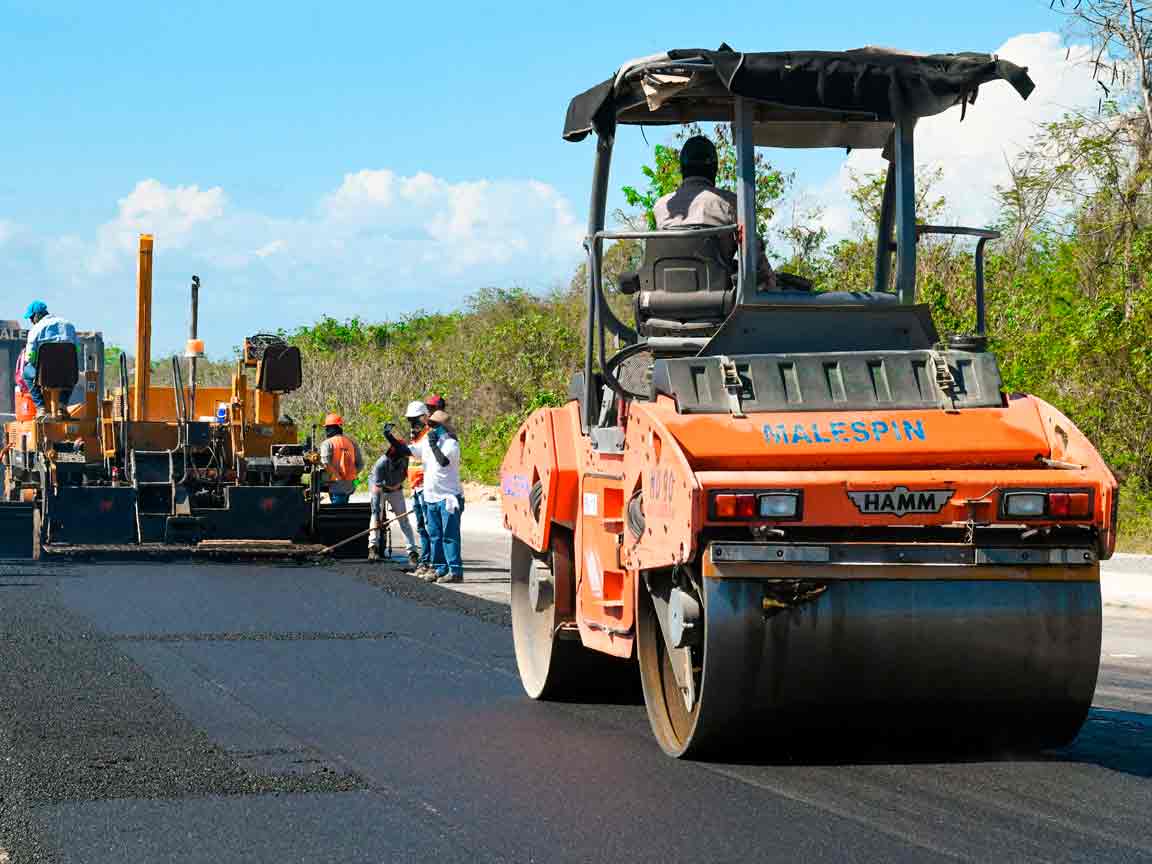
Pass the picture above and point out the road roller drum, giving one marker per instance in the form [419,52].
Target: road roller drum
[976,661]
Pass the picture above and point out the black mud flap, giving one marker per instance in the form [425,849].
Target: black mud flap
[183,530]
[16,530]
[92,515]
[258,513]
[336,522]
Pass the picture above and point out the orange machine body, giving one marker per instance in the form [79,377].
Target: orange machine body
[676,463]
[78,426]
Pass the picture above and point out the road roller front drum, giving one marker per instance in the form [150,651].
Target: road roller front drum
[965,662]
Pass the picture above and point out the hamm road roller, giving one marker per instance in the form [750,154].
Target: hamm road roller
[813,513]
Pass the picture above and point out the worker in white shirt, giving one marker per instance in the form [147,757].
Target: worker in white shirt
[439,450]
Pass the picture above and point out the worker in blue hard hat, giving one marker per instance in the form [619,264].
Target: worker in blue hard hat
[46,327]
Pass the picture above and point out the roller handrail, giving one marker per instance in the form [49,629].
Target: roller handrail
[705,231]
[606,318]
[985,234]
[601,312]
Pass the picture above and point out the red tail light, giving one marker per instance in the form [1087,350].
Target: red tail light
[733,506]
[1039,504]
[725,506]
[1069,504]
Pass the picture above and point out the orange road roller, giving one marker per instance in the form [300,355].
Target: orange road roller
[810,512]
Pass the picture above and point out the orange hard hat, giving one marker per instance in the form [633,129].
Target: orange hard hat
[333,420]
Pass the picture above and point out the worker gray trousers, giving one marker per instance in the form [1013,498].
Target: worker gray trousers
[396,503]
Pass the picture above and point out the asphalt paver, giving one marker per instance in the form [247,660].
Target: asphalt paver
[210,712]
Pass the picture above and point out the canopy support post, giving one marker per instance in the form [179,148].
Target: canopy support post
[596,214]
[904,165]
[883,269]
[742,123]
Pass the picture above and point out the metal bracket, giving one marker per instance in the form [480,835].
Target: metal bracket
[733,385]
[944,380]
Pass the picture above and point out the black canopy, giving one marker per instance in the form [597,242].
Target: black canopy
[850,98]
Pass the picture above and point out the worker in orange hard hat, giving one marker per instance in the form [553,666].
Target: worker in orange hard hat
[341,458]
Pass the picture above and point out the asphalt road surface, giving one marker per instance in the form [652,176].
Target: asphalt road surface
[229,713]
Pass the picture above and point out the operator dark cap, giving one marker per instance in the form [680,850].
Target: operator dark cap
[698,153]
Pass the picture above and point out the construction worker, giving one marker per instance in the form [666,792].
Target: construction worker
[698,203]
[386,486]
[443,495]
[341,458]
[46,327]
[416,414]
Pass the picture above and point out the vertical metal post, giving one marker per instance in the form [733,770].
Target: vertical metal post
[192,333]
[883,270]
[143,328]
[905,167]
[597,209]
[981,323]
[742,121]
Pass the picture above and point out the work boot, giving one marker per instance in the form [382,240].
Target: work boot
[429,575]
[449,577]
[413,556]
[373,554]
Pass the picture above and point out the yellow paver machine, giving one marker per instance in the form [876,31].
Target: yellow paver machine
[166,469]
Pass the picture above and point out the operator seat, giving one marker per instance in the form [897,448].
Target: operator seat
[280,369]
[684,286]
[57,367]
[57,371]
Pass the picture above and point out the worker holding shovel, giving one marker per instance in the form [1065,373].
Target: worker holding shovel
[386,487]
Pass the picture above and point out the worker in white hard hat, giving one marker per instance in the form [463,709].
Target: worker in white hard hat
[417,415]
[443,494]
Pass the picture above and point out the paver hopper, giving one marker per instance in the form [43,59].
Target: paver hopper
[815,514]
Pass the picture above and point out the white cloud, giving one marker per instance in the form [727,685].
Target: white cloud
[974,155]
[363,191]
[171,213]
[269,249]
[377,245]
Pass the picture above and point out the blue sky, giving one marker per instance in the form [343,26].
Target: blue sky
[357,158]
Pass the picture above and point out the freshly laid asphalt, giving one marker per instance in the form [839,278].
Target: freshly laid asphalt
[349,713]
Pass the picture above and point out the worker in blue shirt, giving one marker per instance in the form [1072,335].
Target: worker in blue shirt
[46,327]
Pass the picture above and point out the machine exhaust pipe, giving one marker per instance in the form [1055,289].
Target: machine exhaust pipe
[195,348]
